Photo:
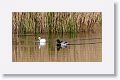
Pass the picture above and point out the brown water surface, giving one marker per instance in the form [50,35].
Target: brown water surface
[82,48]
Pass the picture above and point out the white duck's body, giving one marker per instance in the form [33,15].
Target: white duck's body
[42,40]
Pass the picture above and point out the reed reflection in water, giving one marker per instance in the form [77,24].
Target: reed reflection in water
[82,48]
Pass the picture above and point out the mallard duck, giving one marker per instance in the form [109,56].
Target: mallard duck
[61,43]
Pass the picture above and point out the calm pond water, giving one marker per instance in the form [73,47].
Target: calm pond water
[82,48]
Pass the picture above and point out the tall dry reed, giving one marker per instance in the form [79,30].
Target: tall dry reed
[55,22]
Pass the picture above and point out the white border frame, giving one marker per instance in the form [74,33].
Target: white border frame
[104,67]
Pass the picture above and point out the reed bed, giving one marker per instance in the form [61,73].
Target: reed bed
[56,22]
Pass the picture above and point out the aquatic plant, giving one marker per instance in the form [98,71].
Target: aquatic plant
[56,22]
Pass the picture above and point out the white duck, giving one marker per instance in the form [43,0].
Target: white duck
[42,40]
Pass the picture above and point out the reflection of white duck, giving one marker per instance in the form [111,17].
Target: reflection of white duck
[42,42]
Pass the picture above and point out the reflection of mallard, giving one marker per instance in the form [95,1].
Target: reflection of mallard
[61,44]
